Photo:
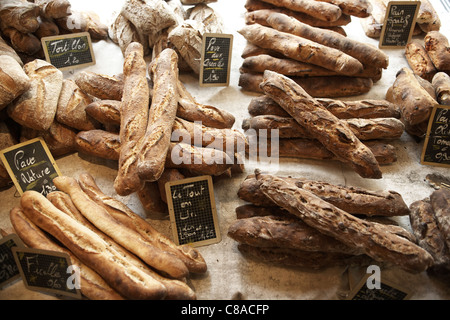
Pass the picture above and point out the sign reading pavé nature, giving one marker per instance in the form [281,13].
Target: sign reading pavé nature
[436,149]
[399,23]
[216,59]
[31,166]
[192,211]
[69,51]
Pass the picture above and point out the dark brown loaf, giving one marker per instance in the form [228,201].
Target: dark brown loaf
[317,9]
[84,243]
[327,128]
[26,43]
[92,285]
[36,108]
[366,108]
[190,256]
[441,84]
[54,9]
[128,238]
[98,143]
[99,85]
[425,228]
[440,202]
[285,232]
[376,240]
[419,60]
[155,143]
[438,48]
[20,15]
[354,200]
[134,118]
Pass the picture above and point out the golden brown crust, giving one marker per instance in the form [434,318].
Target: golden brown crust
[99,143]
[99,85]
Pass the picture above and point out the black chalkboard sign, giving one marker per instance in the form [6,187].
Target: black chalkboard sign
[216,59]
[69,51]
[31,166]
[436,149]
[46,271]
[399,24]
[8,266]
[192,211]
[386,291]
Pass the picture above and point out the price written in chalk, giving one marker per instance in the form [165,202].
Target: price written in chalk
[192,211]
[436,150]
[31,166]
[216,59]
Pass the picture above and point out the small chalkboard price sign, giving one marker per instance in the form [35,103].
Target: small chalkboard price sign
[69,51]
[398,24]
[46,271]
[216,59]
[386,291]
[436,149]
[8,266]
[31,166]
[192,211]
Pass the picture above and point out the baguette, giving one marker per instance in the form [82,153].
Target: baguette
[379,243]
[163,109]
[354,200]
[357,8]
[366,108]
[327,128]
[301,49]
[190,256]
[317,9]
[117,271]
[365,53]
[133,119]
[106,112]
[285,232]
[176,289]
[92,285]
[99,85]
[98,143]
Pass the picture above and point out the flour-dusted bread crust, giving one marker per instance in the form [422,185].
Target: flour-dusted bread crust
[14,81]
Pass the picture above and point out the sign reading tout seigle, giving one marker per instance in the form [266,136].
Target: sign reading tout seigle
[398,25]
[436,149]
[47,271]
[31,166]
[216,59]
[69,51]
[192,211]
[8,266]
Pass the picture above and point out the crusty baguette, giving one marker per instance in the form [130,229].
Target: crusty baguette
[155,143]
[354,200]
[365,53]
[364,129]
[190,256]
[150,198]
[365,108]
[379,243]
[106,112]
[419,60]
[92,285]
[118,272]
[357,8]
[333,133]
[285,232]
[99,85]
[317,9]
[133,119]
[99,143]
[122,234]
[425,228]
[176,289]
[301,49]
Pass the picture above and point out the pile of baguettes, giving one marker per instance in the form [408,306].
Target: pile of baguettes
[24,23]
[129,118]
[313,224]
[427,19]
[160,24]
[355,133]
[118,253]
[299,39]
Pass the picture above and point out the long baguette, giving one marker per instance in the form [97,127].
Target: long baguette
[377,241]
[301,49]
[190,256]
[123,235]
[317,9]
[333,133]
[92,285]
[156,141]
[176,289]
[118,272]
[133,117]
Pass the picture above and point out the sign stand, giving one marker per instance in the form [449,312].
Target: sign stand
[216,59]
[436,149]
